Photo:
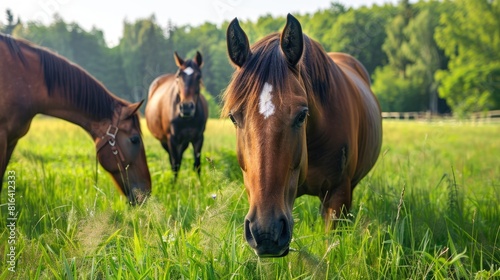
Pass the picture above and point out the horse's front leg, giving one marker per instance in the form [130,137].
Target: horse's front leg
[175,157]
[197,144]
[335,203]
[5,154]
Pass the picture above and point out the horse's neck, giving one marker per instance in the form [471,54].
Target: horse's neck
[60,108]
[322,112]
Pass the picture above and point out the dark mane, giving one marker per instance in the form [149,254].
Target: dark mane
[318,71]
[71,81]
[267,64]
[13,46]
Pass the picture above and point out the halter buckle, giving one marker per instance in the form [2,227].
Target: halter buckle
[109,131]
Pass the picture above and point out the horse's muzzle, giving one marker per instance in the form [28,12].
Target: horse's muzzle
[269,241]
[138,196]
[187,109]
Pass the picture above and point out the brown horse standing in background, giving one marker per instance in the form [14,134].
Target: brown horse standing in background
[176,112]
[306,123]
[35,81]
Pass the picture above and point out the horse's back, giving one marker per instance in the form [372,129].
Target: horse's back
[346,60]
[370,120]
[160,82]
[158,97]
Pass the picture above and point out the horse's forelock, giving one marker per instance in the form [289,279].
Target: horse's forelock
[266,64]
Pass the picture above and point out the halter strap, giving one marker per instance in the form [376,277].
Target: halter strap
[110,138]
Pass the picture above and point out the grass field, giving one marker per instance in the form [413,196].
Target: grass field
[428,210]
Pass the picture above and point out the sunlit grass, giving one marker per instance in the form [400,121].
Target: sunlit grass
[428,210]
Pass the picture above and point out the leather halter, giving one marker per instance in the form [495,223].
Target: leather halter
[110,138]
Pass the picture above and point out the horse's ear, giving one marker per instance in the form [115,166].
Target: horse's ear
[238,47]
[198,59]
[292,40]
[129,110]
[178,61]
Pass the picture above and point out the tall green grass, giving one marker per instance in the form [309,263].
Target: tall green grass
[428,210]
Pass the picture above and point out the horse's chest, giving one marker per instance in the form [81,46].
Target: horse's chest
[186,129]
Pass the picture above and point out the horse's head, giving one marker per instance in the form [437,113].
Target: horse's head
[188,78]
[267,102]
[120,151]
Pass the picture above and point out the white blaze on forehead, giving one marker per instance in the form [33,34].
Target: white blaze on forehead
[266,106]
[188,71]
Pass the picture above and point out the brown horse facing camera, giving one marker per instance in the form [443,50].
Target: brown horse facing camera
[176,112]
[306,123]
[35,81]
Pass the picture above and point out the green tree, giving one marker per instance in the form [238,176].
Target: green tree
[217,70]
[361,33]
[11,24]
[470,35]
[396,38]
[407,82]
[319,25]
[266,25]
[92,53]
[423,55]
[396,94]
[55,36]
[144,55]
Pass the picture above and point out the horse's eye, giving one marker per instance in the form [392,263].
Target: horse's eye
[135,139]
[301,118]
[232,119]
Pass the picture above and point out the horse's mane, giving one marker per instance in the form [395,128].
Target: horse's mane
[268,64]
[71,81]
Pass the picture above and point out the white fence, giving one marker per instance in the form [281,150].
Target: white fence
[488,116]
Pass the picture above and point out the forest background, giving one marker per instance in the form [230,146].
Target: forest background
[432,56]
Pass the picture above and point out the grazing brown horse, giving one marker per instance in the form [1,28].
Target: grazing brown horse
[306,123]
[177,113]
[34,80]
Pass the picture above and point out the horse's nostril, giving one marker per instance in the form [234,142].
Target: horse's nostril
[269,239]
[249,235]
[285,233]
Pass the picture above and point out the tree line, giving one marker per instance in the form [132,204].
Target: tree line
[436,56]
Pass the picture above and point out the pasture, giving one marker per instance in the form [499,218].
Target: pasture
[428,210]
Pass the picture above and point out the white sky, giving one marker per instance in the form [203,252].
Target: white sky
[108,16]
